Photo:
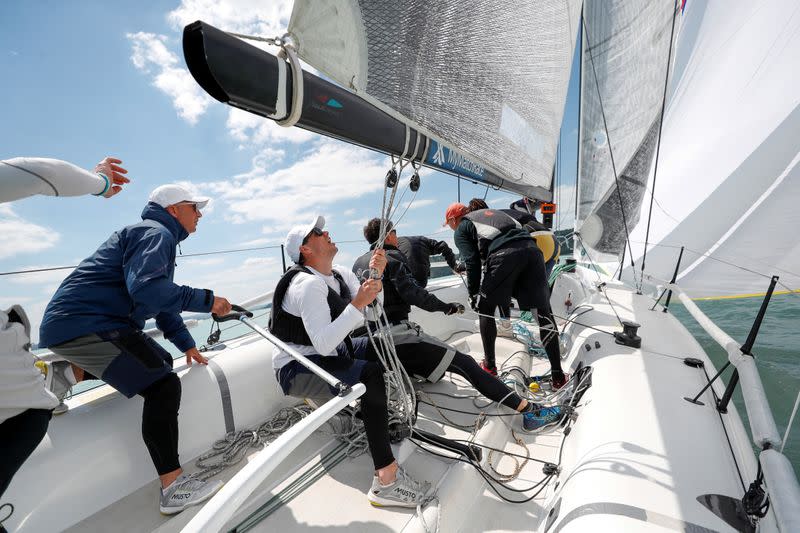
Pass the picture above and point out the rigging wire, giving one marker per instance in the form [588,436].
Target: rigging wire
[602,284]
[658,145]
[608,140]
[791,421]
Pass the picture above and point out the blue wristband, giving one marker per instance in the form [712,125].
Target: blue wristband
[108,184]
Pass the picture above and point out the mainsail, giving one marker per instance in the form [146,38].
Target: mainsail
[489,81]
[728,177]
[624,65]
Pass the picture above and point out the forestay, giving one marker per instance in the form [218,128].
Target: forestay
[489,82]
[624,65]
[728,177]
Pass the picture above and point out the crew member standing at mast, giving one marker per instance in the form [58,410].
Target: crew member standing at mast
[513,267]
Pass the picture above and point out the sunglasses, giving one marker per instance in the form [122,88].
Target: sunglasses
[316,231]
[194,206]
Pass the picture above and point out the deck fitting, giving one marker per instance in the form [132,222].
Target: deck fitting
[628,336]
[693,362]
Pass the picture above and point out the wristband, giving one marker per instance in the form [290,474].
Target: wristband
[108,184]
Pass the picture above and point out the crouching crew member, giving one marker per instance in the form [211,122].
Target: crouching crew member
[315,307]
[423,356]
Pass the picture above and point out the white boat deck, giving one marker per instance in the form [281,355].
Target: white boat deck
[637,458]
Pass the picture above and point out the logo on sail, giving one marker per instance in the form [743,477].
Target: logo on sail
[448,159]
[438,157]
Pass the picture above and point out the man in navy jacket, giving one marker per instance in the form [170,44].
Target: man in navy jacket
[96,317]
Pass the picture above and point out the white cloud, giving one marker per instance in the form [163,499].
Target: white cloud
[263,241]
[152,56]
[240,280]
[251,129]
[349,212]
[328,173]
[21,236]
[266,19]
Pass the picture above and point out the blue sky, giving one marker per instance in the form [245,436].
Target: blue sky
[87,79]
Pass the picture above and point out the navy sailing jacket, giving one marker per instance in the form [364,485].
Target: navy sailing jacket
[418,250]
[127,281]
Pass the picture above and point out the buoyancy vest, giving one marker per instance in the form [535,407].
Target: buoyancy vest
[495,229]
[544,236]
[288,327]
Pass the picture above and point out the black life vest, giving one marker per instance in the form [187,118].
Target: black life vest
[288,327]
[495,229]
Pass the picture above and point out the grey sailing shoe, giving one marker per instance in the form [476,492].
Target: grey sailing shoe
[404,492]
[186,491]
[59,379]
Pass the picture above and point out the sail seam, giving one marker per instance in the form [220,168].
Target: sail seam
[766,194]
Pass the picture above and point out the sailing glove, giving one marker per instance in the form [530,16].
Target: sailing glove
[473,302]
[454,308]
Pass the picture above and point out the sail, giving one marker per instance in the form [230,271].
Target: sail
[728,177]
[624,64]
[489,82]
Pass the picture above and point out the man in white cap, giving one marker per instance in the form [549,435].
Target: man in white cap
[95,320]
[315,307]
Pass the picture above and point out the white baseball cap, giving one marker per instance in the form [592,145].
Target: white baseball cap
[294,239]
[172,194]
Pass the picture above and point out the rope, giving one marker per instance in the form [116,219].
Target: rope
[400,395]
[232,448]
[10,507]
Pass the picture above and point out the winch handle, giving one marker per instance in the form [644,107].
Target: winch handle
[236,314]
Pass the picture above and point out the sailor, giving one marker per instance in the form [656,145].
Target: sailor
[418,249]
[95,322]
[423,356]
[315,306]
[27,397]
[513,266]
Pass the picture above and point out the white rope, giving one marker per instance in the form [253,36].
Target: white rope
[287,50]
[791,421]
[401,403]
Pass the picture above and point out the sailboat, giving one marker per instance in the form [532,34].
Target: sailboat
[651,441]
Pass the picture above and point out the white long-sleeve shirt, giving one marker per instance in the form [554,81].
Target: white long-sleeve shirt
[21,177]
[307,297]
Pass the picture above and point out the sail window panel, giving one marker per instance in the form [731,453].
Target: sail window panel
[489,81]
[624,62]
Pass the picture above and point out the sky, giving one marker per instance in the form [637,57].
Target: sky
[83,80]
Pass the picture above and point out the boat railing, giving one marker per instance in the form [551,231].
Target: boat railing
[778,473]
[190,320]
[216,513]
